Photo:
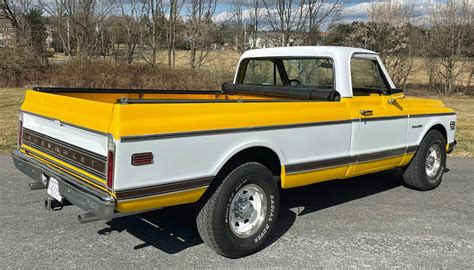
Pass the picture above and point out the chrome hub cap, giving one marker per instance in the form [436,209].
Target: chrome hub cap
[433,160]
[247,210]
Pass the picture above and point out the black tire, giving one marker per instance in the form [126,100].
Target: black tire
[213,219]
[415,175]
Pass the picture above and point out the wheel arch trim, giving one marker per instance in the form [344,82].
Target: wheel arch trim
[248,146]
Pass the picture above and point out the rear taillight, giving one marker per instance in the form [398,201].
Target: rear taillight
[20,129]
[110,161]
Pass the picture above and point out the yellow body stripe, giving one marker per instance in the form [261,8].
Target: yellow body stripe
[152,202]
[311,177]
[343,172]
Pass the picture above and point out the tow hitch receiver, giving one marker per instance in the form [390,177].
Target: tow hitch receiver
[54,205]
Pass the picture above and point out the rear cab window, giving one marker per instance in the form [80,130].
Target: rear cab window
[311,73]
[262,72]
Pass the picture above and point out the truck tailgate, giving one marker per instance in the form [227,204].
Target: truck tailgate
[68,133]
[83,113]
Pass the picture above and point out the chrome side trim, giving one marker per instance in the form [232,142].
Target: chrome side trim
[381,155]
[412,149]
[126,139]
[371,119]
[163,188]
[431,114]
[347,160]
[321,164]
[230,130]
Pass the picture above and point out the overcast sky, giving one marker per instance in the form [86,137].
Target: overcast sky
[354,10]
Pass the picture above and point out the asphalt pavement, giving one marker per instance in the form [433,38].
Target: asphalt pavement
[369,221]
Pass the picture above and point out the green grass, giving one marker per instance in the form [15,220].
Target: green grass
[11,98]
[464,107]
[10,101]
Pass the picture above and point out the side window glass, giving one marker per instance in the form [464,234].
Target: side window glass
[262,72]
[366,78]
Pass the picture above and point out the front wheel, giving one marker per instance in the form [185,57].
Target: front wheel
[426,169]
[242,211]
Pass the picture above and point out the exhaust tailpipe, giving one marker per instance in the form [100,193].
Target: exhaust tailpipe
[87,217]
[36,185]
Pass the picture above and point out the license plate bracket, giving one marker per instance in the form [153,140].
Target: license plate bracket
[53,189]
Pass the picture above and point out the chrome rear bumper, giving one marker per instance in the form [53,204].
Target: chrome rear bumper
[74,190]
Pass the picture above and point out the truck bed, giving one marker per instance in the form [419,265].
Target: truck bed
[87,119]
[229,93]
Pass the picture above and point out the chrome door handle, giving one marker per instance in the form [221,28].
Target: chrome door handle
[366,112]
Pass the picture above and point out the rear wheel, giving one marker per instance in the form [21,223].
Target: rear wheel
[426,170]
[242,211]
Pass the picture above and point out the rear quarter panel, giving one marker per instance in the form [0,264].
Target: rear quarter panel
[181,154]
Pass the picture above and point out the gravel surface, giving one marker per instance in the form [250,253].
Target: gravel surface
[370,221]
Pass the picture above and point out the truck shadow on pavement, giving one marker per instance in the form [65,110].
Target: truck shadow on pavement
[173,229]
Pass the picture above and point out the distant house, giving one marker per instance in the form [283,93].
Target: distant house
[268,40]
[7,34]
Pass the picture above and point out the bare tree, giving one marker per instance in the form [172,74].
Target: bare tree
[240,32]
[390,33]
[132,12]
[254,15]
[173,9]
[318,12]
[15,11]
[287,20]
[86,18]
[394,32]
[200,29]
[151,30]
[113,34]
[78,23]
[445,46]
[294,22]
[57,11]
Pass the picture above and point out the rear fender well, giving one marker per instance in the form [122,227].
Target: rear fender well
[256,153]
[243,150]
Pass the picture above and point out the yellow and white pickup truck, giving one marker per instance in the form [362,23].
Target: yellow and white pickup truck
[292,117]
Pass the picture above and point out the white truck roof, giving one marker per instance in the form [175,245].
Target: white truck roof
[340,55]
[315,51]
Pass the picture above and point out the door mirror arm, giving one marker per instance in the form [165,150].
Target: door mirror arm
[392,100]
